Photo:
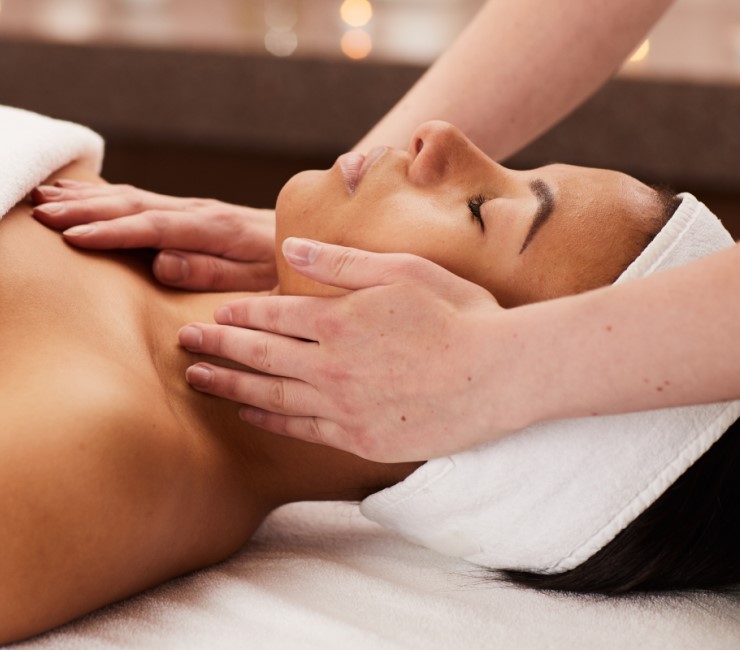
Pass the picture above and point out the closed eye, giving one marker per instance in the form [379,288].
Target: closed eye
[474,205]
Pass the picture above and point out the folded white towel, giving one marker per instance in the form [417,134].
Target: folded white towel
[33,146]
[547,498]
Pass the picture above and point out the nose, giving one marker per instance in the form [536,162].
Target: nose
[438,150]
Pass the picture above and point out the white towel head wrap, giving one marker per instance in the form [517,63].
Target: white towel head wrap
[547,498]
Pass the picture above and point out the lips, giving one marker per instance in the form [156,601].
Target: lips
[355,165]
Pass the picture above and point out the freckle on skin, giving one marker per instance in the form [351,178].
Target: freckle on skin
[403,418]
[608,328]
[470,379]
[659,388]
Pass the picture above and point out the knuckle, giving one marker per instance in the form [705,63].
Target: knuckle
[133,198]
[329,325]
[314,432]
[272,317]
[341,263]
[215,272]
[334,373]
[276,395]
[214,340]
[231,385]
[200,204]
[159,224]
[260,355]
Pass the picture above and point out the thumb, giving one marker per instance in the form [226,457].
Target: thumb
[349,268]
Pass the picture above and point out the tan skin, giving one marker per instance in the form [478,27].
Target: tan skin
[415,201]
[114,474]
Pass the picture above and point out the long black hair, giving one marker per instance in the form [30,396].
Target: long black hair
[688,539]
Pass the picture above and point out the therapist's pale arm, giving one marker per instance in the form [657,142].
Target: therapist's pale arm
[518,68]
[666,340]
[417,363]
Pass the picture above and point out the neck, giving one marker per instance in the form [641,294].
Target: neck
[279,469]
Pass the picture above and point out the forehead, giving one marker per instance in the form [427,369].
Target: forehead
[599,193]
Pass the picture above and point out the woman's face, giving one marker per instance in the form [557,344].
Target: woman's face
[523,235]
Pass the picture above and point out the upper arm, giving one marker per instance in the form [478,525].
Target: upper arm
[85,485]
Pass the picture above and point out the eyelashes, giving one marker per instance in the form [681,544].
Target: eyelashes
[474,205]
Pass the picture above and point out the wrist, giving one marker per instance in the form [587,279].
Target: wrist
[509,387]
[535,361]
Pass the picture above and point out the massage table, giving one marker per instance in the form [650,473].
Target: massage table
[320,575]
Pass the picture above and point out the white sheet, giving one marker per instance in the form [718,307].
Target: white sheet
[319,575]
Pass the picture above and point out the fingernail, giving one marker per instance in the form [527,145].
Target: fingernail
[301,252]
[78,231]
[190,337]
[199,376]
[171,267]
[223,315]
[251,414]
[51,208]
[51,192]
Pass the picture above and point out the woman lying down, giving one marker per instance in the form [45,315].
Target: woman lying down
[115,475]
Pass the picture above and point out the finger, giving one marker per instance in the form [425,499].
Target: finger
[184,230]
[350,268]
[65,213]
[301,317]
[135,198]
[63,207]
[50,193]
[270,353]
[309,429]
[198,272]
[276,394]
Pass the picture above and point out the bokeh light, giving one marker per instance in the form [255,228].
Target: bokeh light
[281,43]
[356,44]
[640,54]
[356,13]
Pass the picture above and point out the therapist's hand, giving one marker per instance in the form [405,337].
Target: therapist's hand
[204,244]
[395,370]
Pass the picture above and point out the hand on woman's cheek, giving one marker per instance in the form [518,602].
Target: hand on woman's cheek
[392,372]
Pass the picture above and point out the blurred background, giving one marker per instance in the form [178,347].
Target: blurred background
[229,98]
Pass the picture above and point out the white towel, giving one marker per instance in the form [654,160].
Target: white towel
[318,576]
[33,146]
[547,498]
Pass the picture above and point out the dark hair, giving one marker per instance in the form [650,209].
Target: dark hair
[688,539]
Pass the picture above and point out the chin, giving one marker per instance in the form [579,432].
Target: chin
[303,209]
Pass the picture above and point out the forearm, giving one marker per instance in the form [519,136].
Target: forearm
[518,68]
[666,340]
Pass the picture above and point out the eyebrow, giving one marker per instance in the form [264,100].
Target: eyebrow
[545,207]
